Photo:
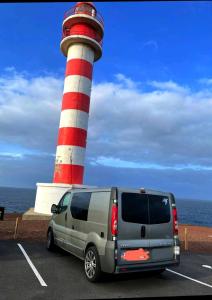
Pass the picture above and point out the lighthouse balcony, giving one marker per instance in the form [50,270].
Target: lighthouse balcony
[82,33]
[69,40]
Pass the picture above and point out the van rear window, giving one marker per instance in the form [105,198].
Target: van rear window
[159,209]
[145,209]
[135,208]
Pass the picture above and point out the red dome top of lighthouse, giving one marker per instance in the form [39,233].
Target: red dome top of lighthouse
[86,3]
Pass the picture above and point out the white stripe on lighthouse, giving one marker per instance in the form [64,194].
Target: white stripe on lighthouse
[74,118]
[67,154]
[77,84]
[80,51]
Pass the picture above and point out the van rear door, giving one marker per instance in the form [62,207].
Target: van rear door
[145,231]
[161,239]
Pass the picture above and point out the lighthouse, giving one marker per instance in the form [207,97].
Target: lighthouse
[81,44]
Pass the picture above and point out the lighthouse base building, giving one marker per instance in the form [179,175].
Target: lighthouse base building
[81,43]
[50,193]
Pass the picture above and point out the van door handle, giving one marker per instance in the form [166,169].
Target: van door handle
[72,226]
[66,217]
[143,231]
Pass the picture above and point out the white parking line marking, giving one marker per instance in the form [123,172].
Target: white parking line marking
[206,266]
[200,282]
[42,282]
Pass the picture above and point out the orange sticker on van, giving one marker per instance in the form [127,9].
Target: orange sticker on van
[132,255]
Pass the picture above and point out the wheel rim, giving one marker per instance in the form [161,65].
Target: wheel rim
[90,264]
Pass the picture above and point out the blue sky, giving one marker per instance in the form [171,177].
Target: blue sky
[154,40]
[151,105]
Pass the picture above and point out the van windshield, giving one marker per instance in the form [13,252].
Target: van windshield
[145,209]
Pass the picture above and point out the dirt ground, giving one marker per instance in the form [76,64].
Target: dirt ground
[30,230]
[199,239]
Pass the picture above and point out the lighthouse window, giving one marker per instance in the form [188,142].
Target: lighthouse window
[84,8]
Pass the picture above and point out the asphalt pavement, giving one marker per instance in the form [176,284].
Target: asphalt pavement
[29,271]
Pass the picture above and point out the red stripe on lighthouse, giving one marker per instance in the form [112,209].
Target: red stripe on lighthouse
[74,100]
[72,136]
[68,174]
[85,29]
[79,67]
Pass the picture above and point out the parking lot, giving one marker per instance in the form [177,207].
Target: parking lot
[29,271]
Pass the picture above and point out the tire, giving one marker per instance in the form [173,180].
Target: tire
[50,245]
[92,265]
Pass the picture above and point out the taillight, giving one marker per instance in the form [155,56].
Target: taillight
[114,220]
[175,222]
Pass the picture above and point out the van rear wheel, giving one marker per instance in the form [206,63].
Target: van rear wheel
[92,265]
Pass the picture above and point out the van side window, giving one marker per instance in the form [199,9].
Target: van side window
[79,205]
[63,204]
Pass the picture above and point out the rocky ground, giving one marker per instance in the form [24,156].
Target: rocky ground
[199,238]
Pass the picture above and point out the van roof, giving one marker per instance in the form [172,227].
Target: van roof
[125,189]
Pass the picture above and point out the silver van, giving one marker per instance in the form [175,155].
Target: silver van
[116,230]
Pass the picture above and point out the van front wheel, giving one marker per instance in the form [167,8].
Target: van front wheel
[92,265]
[50,245]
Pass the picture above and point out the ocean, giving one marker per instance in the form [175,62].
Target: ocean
[194,212]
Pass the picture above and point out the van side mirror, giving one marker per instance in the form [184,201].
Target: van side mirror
[54,209]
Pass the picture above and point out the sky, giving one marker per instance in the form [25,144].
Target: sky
[150,122]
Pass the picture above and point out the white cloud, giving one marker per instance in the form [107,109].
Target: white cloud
[11,155]
[29,110]
[207,81]
[118,163]
[129,83]
[167,127]
[169,86]
[151,43]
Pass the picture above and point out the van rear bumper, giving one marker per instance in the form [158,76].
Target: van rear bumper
[146,267]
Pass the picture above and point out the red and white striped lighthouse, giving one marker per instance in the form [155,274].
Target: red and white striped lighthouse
[82,44]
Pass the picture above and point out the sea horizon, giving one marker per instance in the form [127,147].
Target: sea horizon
[178,198]
[190,211]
